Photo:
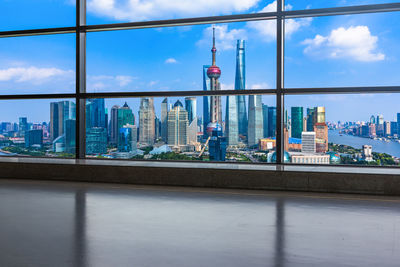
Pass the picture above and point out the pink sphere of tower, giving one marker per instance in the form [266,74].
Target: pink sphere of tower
[213,72]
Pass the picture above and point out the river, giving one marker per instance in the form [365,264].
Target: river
[392,148]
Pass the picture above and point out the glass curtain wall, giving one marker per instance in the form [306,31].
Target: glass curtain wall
[257,81]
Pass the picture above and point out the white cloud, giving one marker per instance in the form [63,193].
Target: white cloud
[225,38]
[32,74]
[109,82]
[355,42]
[227,86]
[124,80]
[260,86]
[267,28]
[171,61]
[136,10]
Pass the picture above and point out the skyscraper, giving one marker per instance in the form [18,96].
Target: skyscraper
[379,119]
[146,121]
[177,126]
[255,127]
[125,116]
[240,84]
[310,119]
[114,125]
[96,140]
[127,138]
[33,137]
[206,99]
[60,112]
[271,121]
[164,119]
[96,113]
[265,120]
[70,135]
[319,115]
[321,137]
[231,121]
[23,126]
[191,107]
[308,142]
[297,121]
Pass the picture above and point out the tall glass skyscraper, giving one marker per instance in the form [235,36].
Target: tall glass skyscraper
[146,121]
[255,127]
[265,120]
[191,107]
[297,121]
[240,84]
[271,121]
[231,121]
[164,119]
[96,113]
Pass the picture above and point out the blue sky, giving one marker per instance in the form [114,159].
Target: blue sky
[356,50]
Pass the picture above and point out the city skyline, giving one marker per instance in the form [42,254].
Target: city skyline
[115,66]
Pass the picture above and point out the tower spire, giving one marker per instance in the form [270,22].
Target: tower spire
[214,49]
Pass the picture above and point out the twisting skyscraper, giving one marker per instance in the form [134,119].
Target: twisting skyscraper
[240,84]
[214,72]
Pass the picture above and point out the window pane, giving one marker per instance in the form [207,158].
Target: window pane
[177,58]
[28,14]
[356,50]
[101,12]
[37,64]
[182,128]
[307,4]
[39,128]
[358,129]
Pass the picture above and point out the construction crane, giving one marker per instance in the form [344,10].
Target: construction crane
[204,147]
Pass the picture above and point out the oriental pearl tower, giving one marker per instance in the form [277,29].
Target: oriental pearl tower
[214,72]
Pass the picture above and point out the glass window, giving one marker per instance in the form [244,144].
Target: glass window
[178,58]
[356,129]
[311,4]
[102,12]
[37,64]
[209,128]
[354,50]
[28,14]
[39,128]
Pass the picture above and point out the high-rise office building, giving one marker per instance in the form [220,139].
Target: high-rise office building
[319,113]
[240,84]
[206,99]
[393,128]
[271,121]
[255,127]
[386,128]
[125,116]
[308,144]
[96,140]
[70,135]
[297,121]
[114,125]
[191,107]
[321,137]
[265,120]
[23,126]
[231,121]
[379,119]
[310,119]
[96,113]
[60,112]
[33,137]
[178,126]
[372,119]
[127,138]
[146,121]
[164,119]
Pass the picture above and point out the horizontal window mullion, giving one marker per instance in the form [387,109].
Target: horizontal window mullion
[342,90]
[34,32]
[347,10]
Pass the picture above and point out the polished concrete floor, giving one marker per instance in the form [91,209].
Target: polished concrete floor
[78,224]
